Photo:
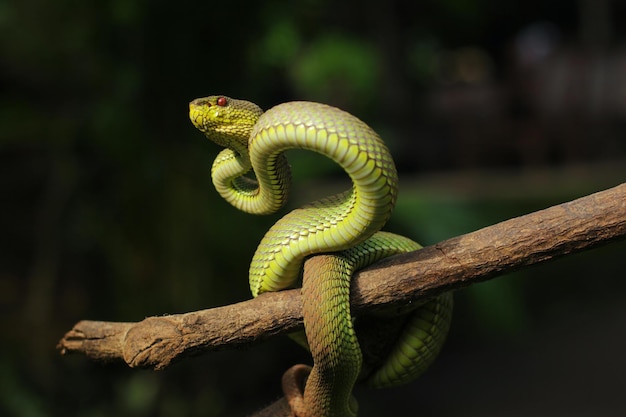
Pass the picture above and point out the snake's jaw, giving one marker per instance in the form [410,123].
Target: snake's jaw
[205,116]
[225,121]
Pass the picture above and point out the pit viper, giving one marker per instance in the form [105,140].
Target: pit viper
[252,174]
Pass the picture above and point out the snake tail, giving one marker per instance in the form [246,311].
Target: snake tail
[327,323]
[332,340]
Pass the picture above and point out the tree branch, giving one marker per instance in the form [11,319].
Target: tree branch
[394,282]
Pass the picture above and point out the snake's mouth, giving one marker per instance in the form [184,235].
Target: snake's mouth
[204,114]
[196,115]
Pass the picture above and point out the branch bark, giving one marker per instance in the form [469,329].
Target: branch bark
[394,282]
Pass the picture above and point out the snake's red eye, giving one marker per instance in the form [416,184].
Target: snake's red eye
[221,101]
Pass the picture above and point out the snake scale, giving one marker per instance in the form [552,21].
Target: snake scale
[345,228]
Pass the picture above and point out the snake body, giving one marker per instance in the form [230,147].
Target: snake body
[345,226]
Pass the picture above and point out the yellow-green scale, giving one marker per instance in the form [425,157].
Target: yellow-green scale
[330,224]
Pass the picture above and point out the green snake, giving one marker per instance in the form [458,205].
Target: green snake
[345,227]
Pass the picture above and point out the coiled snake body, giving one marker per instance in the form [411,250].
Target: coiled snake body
[346,226]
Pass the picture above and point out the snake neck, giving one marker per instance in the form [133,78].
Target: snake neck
[331,224]
[242,191]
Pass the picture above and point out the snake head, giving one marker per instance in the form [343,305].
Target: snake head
[226,121]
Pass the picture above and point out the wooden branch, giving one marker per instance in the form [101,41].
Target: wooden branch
[392,283]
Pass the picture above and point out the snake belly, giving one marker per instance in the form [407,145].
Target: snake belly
[347,224]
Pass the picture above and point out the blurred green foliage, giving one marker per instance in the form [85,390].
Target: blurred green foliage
[108,211]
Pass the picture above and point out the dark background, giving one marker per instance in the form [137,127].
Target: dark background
[492,110]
